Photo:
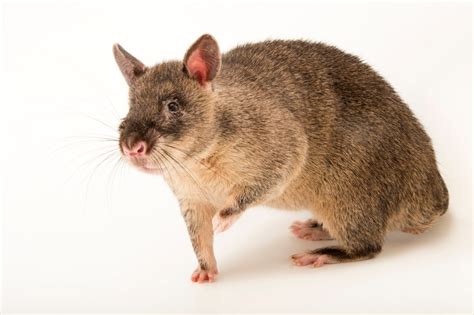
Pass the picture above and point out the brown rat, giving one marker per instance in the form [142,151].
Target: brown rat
[287,124]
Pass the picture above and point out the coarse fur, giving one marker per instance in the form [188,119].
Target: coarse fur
[289,124]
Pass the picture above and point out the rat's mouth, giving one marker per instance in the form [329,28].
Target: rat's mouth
[150,170]
[144,165]
[140,155]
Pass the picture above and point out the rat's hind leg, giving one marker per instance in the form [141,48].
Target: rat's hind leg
[359,238]
[310,230]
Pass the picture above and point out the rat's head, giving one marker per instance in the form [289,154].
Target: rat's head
[171,105]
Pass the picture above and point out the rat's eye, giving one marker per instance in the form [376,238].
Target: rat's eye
[173,107]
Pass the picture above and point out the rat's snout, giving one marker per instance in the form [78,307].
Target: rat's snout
[137,139]
[138,149]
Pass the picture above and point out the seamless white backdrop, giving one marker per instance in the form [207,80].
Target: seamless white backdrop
[115,241]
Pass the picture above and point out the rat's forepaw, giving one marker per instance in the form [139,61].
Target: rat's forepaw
[223,219]
[199,275]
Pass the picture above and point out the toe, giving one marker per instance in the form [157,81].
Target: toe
[321,261]
[195,276]
[296,225]
[305,259]
[297,256]
[211,277]
[202,276]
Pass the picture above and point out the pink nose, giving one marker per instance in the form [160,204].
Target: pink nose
[139,149]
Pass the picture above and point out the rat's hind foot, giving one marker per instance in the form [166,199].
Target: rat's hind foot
[310,230]
[333,255]
[315,260]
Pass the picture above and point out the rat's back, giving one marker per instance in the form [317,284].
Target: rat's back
[306,73]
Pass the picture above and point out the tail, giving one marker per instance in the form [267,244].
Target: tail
[444,197]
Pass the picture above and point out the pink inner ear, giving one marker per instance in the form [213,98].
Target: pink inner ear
[197,66]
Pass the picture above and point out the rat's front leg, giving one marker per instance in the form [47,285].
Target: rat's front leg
[198,220]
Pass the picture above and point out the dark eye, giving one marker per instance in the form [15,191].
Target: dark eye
[173,107]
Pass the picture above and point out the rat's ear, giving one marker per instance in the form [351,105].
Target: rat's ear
[203,59]
[130,66]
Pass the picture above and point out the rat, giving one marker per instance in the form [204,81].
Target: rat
[288,124]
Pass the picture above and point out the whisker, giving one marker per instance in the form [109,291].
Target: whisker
[162,165]
[98,137]
[76,141]
[189,173]
[93,151]
[115,112]
[157,160]
[99,121]
[110,181]
[93,172]
[198,161]
[163,168]
[72,144]
[110,152]
[122,168]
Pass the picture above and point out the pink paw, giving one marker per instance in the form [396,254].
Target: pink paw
[202,276]
[315,260]
[307,231]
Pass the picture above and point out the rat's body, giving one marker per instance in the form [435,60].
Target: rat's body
[288,124]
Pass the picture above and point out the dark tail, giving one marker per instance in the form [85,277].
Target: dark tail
[444,197]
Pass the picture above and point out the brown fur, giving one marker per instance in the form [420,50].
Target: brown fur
[292,125]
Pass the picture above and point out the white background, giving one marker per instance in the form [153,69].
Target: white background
[72,242]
